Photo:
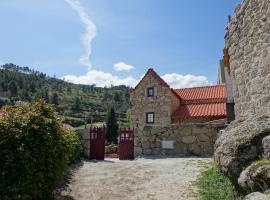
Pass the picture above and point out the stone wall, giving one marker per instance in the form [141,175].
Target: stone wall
[188,138]
[162,104]
[248,42]
[244,141]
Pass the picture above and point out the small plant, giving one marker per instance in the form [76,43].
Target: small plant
[214,185]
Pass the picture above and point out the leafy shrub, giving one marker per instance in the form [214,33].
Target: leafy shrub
[214,185]
[34,150]
[74,147]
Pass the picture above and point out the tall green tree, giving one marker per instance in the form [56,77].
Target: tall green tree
[55,99]
[112,127]
[13,88]
[77,105]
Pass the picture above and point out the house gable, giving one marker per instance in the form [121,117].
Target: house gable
[161,103]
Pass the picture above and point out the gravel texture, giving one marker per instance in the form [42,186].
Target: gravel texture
[151,178]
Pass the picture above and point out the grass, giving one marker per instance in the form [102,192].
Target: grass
[214,185]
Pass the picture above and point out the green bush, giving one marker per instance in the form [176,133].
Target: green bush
[34,150]
[74,147]
[214,185]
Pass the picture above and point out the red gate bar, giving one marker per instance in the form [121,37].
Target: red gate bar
[126,144]
[97,143]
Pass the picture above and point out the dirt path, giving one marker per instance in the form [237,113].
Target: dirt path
[144,178]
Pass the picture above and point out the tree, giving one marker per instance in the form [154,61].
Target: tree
[55,99]
[13,88]
[112,127]
[77,105]
[45,95]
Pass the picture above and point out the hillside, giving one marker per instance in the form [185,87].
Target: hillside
[76,103]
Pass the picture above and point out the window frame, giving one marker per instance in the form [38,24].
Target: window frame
[147,119]
[148,92]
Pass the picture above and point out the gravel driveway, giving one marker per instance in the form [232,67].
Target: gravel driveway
[152,178]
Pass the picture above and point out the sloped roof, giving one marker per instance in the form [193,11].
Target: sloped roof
[206,110]
[207,93]
[202,102]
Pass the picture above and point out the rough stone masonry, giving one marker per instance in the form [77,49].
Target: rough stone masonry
[248,43]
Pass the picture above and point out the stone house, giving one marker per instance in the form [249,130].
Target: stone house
[154,103]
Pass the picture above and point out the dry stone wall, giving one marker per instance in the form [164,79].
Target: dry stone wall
[189,138]
[248,42]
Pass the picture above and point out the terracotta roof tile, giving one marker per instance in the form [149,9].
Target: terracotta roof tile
[201,111]
[208,93]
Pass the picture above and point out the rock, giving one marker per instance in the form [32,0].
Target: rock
[238,146]
[256,196]
[256,177]
[137,150]
[266,147]
[189,139]
[203,138]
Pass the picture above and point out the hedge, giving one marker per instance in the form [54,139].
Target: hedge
[34,150]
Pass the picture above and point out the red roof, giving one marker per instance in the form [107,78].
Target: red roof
[210,110]
[202,102]
[207,93]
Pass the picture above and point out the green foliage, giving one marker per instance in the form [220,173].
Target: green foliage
[55,99]
[76,101]
[77,105]
[112,127]
[74,147]
[34,150]
[214,185]
[13,89]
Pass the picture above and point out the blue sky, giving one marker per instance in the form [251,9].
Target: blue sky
[181,39]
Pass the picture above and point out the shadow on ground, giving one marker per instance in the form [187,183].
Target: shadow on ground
[63,184]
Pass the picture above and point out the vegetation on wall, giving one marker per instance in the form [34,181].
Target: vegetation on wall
[77,104]
[34,150]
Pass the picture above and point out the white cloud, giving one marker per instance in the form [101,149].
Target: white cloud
[121,66]
[90,31]
[101,79]
[184,81]
[1,62]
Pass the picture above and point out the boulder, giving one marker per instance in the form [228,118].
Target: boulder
[256,196]
[256,177]
[239,145]
[266,147]
[188,139]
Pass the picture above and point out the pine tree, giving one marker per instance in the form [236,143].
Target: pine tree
[13,88]
[112,127]
[77,105]
[55,99]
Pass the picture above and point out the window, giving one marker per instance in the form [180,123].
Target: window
[150,92]
[150,117]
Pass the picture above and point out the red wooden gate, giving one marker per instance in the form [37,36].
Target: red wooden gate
[126,144]
[97,143]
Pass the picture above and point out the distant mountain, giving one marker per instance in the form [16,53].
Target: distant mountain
[76,103]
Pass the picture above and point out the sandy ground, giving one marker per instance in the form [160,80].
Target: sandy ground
[150,178]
